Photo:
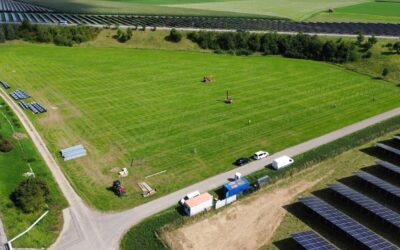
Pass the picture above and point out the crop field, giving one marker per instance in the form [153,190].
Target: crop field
[148,111]
[292,9]
[364,12]
[12,167]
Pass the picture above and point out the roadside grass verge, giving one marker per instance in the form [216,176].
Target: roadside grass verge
[146,234]
[12,167]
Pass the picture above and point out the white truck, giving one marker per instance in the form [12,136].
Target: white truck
[189,196]
[282,162]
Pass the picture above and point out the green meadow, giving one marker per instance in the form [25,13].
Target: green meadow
[148,111]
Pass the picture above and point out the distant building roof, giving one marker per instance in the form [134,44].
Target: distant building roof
[198,200]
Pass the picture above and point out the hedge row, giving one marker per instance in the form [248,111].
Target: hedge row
[301,46]
[59,35]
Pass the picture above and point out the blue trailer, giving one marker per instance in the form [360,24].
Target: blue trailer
[236,187]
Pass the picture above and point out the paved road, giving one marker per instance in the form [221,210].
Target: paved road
[3,237]
[85,228]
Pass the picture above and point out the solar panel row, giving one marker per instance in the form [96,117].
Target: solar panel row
[383,185]
[363,201]
[389,166]
[311,241]
[388,148]
[346,224]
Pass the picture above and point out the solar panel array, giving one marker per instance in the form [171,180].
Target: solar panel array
[15,6]
[372,206]
[384,185]
[389,166]
[346,224]
[227,23]
[311,241]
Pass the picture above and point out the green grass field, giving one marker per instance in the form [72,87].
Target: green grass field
[364,12]
[12,167]
[148,108]
[293,9]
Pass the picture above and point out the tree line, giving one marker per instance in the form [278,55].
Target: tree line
[59,35]
[301,45]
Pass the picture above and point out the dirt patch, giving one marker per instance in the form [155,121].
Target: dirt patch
[20,136]
[52,119]
[246,225]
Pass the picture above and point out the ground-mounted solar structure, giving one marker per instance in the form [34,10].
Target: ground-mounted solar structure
[367,204]
[220,23]
[357,232]
[383,185]
[309,240]
[389,166]
[15,6]
[15,12]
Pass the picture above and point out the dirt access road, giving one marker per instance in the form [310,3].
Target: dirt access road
[85,228]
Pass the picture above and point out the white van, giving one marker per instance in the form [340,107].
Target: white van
[260,154]
[189,196]
[282,162]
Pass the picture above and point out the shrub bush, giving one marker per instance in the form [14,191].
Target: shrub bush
[6,145]
[174,36]
[31,195]
[122,36]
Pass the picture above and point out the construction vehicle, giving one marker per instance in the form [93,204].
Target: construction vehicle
[118,188]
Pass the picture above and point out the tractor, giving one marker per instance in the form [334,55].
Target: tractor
[118,188]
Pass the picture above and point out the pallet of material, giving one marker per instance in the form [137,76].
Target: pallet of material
[23,105]
[146,189]
[73,152]
[19,94]
[5,85]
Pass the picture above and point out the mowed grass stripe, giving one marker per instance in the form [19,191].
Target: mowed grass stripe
[150,106]
[216,118]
